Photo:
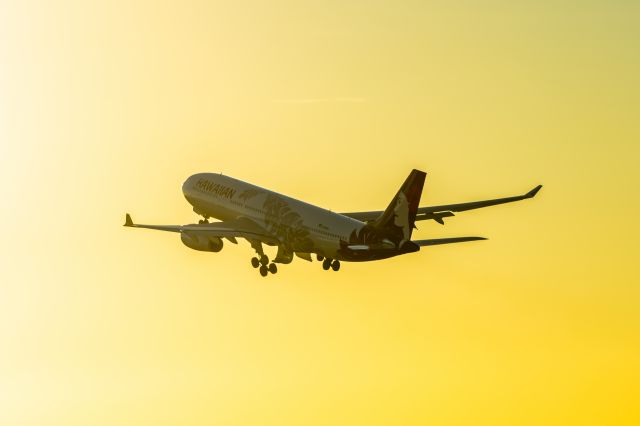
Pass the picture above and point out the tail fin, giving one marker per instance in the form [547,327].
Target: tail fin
[400,215]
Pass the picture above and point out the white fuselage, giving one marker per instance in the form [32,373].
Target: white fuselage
[305,227]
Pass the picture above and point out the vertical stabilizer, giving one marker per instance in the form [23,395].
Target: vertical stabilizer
[400,215]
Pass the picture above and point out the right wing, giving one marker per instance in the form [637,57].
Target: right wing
[239,228]
[438,213]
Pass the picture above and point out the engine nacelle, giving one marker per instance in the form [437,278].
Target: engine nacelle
[201,242]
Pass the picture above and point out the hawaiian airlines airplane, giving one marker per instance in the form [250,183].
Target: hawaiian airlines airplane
[264,217]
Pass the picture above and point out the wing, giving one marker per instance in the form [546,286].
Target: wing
[438,213]
[239,228]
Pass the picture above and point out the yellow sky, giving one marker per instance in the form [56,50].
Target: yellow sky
[108,108]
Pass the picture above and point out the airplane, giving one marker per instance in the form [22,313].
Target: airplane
[297,228]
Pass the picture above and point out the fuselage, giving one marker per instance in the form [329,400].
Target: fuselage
[303,227]
[261,216]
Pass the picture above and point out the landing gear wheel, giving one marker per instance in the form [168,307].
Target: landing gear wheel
[255,262]
[320,258]
[264,271]
[273,268]
[203,221]
[264,260]
[326,264]
[335,265]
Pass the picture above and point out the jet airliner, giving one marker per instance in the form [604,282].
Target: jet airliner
[297,228]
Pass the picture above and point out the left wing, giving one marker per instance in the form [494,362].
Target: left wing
[438,213]
[239,228]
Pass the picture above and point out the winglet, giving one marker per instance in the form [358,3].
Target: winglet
[533,192]
[128,221]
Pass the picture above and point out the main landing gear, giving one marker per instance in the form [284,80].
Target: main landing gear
[263,265]
[329,263]
[205,220]
[261,260]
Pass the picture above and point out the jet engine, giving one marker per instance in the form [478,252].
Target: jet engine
[201,242]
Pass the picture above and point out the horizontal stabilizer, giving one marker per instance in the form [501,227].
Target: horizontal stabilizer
[437,241]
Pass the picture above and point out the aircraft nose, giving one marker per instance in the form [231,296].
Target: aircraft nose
[188,184]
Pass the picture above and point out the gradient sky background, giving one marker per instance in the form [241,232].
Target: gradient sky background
[108,108]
